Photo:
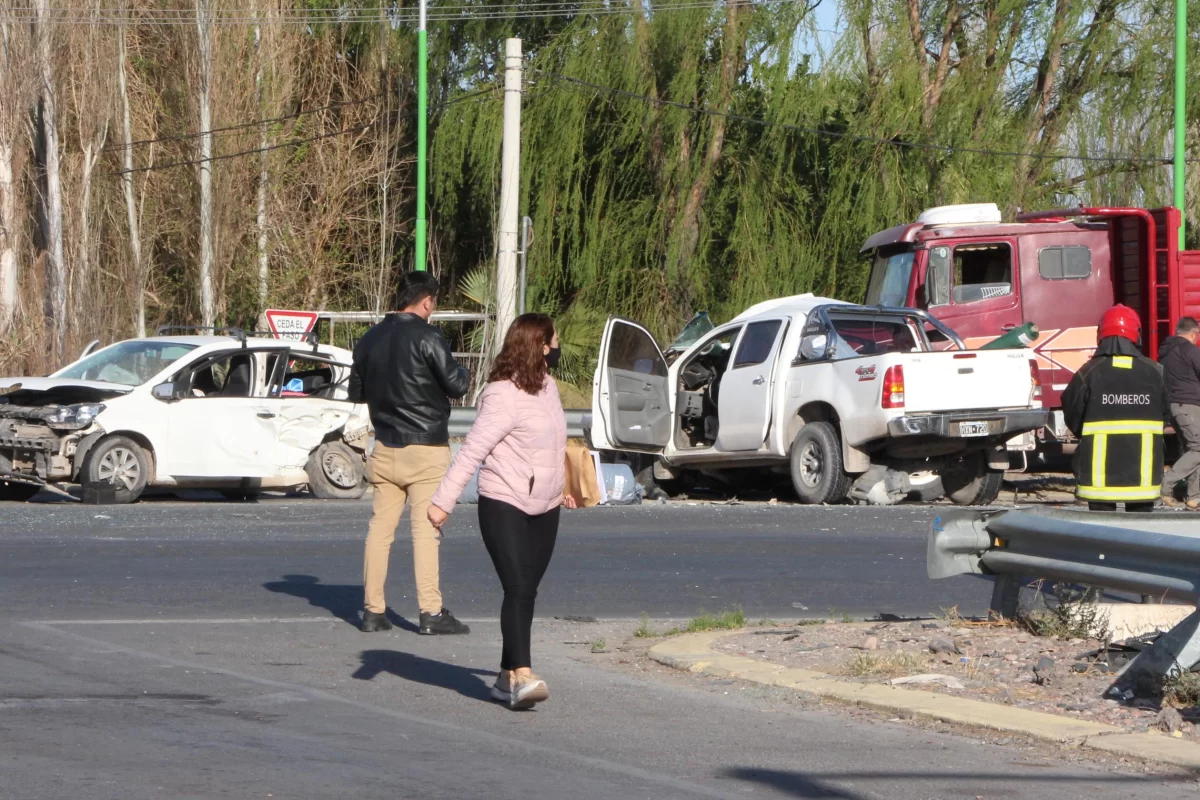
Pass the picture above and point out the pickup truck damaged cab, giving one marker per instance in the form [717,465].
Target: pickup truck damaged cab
[233,413]
[848,399]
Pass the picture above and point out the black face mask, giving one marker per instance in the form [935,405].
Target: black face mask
[552,357]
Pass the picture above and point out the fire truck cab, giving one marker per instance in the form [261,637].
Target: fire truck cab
[1060,270]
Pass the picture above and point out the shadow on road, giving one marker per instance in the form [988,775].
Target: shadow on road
[467,681]
[343,601]
[808,785]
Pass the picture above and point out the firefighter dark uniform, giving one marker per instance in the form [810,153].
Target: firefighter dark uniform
[1116,405]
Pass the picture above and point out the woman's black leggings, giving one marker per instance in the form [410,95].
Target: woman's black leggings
[520,546]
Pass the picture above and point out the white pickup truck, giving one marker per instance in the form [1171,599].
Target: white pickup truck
[851,400]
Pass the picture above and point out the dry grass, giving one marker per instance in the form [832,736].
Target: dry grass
[891,664]
[1182,689]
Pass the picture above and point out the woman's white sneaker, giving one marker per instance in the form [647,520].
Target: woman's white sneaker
[526,692]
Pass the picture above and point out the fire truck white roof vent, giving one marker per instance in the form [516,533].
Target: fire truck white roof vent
[966,214]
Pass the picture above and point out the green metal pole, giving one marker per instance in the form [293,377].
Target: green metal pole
[422,114]
[1180,118]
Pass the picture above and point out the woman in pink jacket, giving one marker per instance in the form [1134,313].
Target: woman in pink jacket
[520,439]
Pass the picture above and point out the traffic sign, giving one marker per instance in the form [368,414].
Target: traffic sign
[290,324]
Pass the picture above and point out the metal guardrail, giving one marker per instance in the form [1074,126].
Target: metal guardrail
[579,421]
[1151,554]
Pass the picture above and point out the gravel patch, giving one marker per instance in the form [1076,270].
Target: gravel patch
[991,662]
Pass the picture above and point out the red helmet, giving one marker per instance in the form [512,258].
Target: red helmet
[1120,321]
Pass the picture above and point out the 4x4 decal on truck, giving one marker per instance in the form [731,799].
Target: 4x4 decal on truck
[865,373]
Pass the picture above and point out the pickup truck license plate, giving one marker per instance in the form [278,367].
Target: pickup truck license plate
[982,428]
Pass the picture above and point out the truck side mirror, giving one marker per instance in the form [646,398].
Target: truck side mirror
[813,348]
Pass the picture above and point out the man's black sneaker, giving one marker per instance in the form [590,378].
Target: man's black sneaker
[441,624]
[372,622]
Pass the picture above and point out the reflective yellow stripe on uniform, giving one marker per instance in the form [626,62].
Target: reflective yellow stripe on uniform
[1123,362]
[1099,457]
[1147,458]
[1117,494]
[1122,426]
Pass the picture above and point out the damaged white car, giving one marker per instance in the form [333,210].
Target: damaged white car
[231,413]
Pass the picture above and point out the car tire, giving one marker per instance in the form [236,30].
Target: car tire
[336,471]
[816,465]
[120,461]
[12,492]
[970,482]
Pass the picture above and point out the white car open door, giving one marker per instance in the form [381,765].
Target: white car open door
[631,392]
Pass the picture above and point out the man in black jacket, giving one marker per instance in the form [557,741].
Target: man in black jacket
[1180,359]
[1116,404]
[405,373]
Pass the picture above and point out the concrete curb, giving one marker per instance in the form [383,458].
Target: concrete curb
[695,653]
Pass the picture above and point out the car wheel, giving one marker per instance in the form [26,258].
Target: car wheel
[120,461]
[817,472]
[17,492]
[336,471]
[970,482]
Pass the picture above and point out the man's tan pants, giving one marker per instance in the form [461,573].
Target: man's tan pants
[401,474]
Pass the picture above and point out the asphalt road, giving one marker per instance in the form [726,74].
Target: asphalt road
[200,651]
[280,556]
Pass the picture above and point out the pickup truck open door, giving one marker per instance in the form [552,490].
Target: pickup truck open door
[631,393]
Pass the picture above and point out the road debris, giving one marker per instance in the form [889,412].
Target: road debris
[949,681]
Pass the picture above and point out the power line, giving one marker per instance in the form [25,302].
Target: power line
[319,17]
[196,134]
[267,149]
[295,142]
[854,137]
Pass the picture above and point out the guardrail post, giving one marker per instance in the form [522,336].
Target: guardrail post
[1006,596]
[1175,652]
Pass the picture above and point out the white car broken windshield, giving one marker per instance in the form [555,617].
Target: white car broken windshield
[129,363]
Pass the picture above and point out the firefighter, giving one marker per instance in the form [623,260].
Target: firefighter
[1116,405]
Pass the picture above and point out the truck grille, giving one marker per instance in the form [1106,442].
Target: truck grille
[23,443]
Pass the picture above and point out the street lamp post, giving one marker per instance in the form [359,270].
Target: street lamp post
[422,113]
[1179,176]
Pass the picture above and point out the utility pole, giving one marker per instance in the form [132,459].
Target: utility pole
[526,234]
[510,190]
[1180,116]
[422,149]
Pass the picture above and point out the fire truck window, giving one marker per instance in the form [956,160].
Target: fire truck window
[982,272]
[1065,263]
[890,274]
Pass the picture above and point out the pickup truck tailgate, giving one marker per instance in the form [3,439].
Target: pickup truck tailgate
[963,381]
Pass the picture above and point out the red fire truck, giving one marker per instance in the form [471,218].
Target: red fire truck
[1058,269]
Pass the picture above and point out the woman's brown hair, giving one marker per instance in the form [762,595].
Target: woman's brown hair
[522,360]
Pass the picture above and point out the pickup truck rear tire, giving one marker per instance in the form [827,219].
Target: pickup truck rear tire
[971,483]
[816,465]
[336,472]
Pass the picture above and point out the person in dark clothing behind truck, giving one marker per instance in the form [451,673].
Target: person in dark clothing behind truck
[1180,359]
[405,373]
[1116,404]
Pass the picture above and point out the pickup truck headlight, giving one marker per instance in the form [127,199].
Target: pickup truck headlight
[75,416]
